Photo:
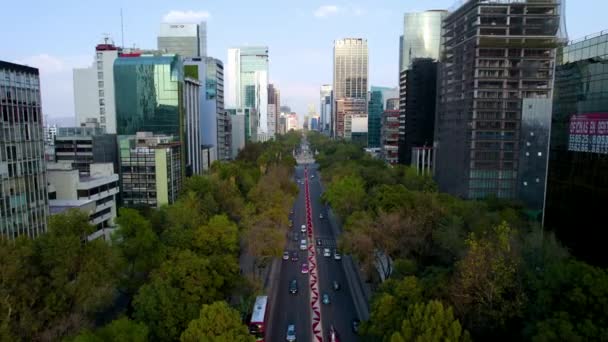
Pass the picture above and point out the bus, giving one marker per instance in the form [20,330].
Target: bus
[257,324]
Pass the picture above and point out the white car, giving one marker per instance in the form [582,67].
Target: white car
[291,333]
[337,256]
[303,228]
[326,252]
[286,255]
[303,245]
[321,216]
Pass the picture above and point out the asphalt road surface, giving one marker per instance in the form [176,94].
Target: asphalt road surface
[288,308]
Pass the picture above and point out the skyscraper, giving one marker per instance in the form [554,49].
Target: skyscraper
[94,89]
[186,40]
[274,103]
[421,36]
[247,84]
[377,105]
[23,188]
[325,108]
[501,55]
[350,81]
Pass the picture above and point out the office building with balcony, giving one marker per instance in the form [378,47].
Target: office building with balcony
[94,88]
[23,195]
[390,136]
[496,55]
[67,187]
[577,182]
[150,169]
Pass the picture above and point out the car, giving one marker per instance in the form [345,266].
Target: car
[355,325]
[321,216]
[293,286]
[337,256]
[303,228]
[286,255]
[326,252]
[313,176]
[319,242]
[305,268]
[291,212]
[294,256]
[335,285]
[303,245]
[295,237]
[291,333]
[290,223]
[333,334]
[326,299]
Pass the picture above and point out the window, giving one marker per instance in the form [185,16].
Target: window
[100,84]
[99,65]
[99,75]
[102,102]
[102,110]
[101,93]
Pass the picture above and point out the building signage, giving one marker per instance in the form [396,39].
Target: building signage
[589,133]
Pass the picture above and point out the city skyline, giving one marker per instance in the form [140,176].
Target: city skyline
[303,50]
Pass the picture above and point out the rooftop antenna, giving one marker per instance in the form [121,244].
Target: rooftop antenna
[122,30]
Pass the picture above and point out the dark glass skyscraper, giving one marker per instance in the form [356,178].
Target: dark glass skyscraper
[577,182]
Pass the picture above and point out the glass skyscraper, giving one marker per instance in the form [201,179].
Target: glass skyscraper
[577,182]
[23,189]
[421,36]
[376,106]
[247,74]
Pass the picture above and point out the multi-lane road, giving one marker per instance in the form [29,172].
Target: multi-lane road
[287,308]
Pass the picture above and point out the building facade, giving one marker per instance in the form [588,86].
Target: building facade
[237,136]
[101,186]
[186,40]
[82,146]
[274,104]
[150,169]
[24,199]
[325,107]
[378,97]
[390,136]
[192,90]
[577,182]
[247,74]
[421,36]
[419,125]
[496,54]
[94,89]
[350,80]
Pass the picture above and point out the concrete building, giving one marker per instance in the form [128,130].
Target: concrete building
[355,128]
[23,197]
[274,104]
[421,36]
[282,127]
[150,169]
[325,107]
[65,183]
[390,136]
[186,40]
[577,180]
[82,146]
[420,98]
[350,80]
[94,88]
[496,55]
[247,80]
[292,122]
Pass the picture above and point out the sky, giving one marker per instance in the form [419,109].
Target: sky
[57,36]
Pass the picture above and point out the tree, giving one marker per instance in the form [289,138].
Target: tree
[120,330]
[217,322]
[140,247]
[430,322]
[486,289]
[346,195]
[218,236]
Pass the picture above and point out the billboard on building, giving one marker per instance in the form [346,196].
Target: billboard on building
[589,133]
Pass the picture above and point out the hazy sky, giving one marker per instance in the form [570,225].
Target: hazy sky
[59,35]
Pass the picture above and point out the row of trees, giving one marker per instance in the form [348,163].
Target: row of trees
[455,269]
[169,273]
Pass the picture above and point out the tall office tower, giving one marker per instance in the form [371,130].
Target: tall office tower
[420,100]
[497,54]
[577,181]
[151,169]
[94,88]
[421,36]
[325,107]
[350,81]
[377,105]
[273,109]
[186,40]
[23,200]
[247,84]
